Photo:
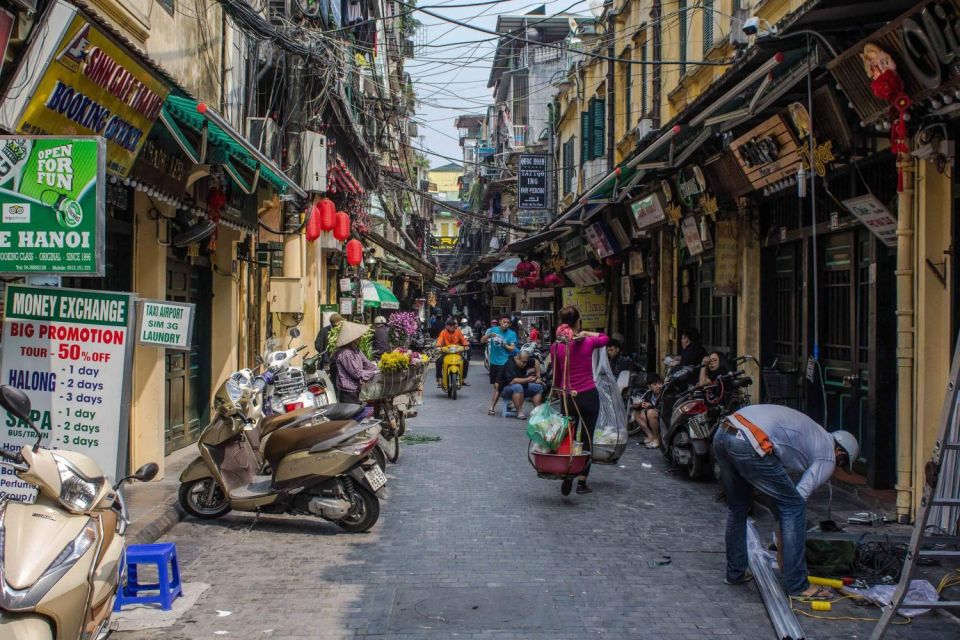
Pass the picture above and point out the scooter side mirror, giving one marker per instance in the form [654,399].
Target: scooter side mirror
[147,472]
[294,332]
[17,402]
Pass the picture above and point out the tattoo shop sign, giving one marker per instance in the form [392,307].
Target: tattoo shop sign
[51,205]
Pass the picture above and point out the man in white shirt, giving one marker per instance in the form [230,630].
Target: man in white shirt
[756,447]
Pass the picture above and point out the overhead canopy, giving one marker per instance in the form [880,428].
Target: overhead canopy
[531,241]
[421,266]
[377,296]
[219,143]
[503,272]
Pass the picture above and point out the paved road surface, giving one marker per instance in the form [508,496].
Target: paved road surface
[471,544]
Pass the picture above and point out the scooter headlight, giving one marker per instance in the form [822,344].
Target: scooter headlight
[77,493]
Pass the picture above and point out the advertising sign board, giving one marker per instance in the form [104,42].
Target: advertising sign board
[592,303]
[532,181]
[875,217]
[52,205]
[166,324]
[78,80]
[648,210]
[70,351]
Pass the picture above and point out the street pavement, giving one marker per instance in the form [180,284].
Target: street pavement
[471,544]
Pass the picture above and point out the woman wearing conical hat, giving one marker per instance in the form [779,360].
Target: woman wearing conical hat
[353,368]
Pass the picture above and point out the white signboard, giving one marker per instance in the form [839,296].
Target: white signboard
[346,306]
[875,217]
[69,350]
[166,324]
[648,210]
[691,235]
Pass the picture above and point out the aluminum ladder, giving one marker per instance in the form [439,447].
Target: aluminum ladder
[941,500]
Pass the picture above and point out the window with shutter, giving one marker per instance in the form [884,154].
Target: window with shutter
[707,26]
[585,135]
[568,162]
[599,122]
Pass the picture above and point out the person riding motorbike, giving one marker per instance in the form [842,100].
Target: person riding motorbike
[466,330]
[451,335]
[353,368]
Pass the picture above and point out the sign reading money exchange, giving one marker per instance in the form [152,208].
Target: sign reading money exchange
[78,80]
[51,205]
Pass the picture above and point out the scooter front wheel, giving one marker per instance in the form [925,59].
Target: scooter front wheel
[390,445]
[200,500]
[364,512]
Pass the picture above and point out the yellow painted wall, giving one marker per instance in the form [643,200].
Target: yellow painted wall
[445,180]
[933,346]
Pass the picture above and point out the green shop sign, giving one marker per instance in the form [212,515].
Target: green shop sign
[51,205]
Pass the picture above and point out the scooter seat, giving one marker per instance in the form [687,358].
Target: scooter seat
[287,441]
[281,420]
[340,410]
[259,486]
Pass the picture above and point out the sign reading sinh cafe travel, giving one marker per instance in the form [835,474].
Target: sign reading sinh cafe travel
[51,205]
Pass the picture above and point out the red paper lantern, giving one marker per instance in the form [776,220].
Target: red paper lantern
[313,223]
[341,226]
[328,213]
[354,252]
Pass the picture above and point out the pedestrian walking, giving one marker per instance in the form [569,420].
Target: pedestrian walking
[353,368]
[502,341]
[573,361]
[756,447]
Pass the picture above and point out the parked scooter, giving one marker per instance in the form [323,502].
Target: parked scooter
[287,389]
[318,382]
[319,467]
[451,378]
[60,566]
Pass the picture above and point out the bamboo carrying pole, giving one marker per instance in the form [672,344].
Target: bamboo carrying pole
[905,341]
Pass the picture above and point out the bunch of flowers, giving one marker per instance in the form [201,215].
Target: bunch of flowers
[402,326]
[394,361]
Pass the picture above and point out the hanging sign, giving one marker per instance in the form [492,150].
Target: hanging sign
[78,80]
[532,181]
[70,351]
[592,303]
[767,153]
[52,205]
[166,324]
[601,239]
[726,277]
[691,235]
[582,275]
[346,306]
[648,210]
[635,264]
[874,216]
[626,290]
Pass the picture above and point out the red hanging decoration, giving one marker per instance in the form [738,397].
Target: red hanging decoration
[328,213]
[341,227]
[553,280]
[888,86]
[313,223]
[354,252]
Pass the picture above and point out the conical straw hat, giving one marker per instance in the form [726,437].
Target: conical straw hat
[350,331]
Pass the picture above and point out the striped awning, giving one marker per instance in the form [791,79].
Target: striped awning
[503,272]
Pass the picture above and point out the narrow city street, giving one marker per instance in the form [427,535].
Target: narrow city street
[472,544]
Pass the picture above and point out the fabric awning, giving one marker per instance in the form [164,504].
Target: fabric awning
[228,144]
[398,267]
[531,241]
[421,266]
[503,272]
[377,296]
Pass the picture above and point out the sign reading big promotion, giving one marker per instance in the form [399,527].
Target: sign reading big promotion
[69,350]
[76,79]
[51,205]
[592,303]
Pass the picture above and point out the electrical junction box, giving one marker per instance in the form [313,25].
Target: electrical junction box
[286,295]
[313,152]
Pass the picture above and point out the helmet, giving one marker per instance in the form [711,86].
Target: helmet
[379,320]
[846,441]
[464,321]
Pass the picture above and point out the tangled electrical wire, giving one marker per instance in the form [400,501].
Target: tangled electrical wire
[876,559]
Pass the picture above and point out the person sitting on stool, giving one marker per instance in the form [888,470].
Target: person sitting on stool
[755,447]
[516,383]
[451,335]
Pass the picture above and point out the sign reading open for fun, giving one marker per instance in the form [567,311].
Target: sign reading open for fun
[51,205]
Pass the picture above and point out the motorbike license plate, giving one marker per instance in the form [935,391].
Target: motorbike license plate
[375,477]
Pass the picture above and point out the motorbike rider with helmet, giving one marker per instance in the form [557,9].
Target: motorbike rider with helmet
[451,335]
[381,337]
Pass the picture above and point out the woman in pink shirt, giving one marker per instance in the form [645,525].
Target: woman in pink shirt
[578,376]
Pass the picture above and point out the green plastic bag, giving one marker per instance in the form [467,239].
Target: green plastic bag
[547,427]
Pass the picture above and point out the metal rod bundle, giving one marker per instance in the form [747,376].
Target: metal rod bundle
[777,603]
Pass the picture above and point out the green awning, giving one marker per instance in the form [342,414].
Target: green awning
[226,150]
[377,296]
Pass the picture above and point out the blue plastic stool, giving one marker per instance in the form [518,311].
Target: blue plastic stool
[164,556]
[508,411]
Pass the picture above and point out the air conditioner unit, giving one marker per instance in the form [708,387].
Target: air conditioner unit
[313,149]
[644,127]
[262,133]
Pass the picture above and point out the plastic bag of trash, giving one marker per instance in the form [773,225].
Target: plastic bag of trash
[546,427]
[882,595]
[610,435]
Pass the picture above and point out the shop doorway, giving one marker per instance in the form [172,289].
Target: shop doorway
[188,372]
